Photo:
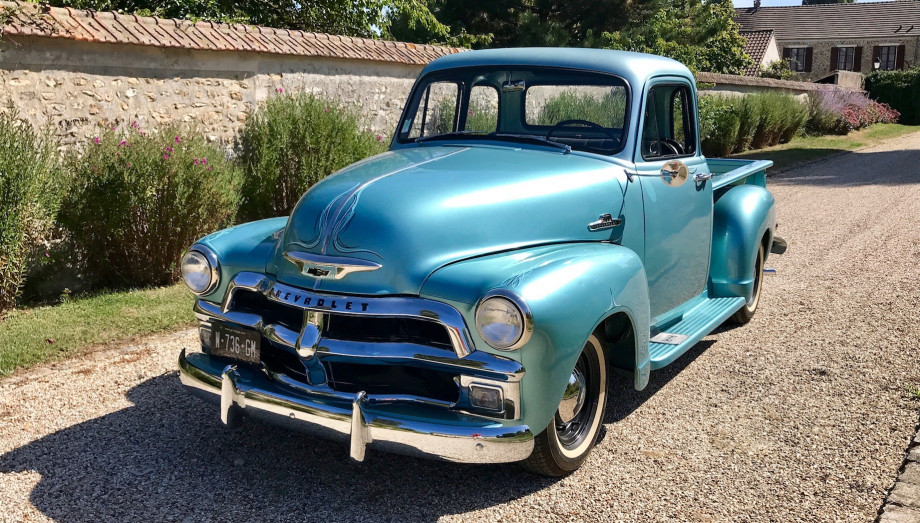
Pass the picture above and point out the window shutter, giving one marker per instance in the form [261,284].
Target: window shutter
[857,59]
[834,52]
[787,53]
[900,63]
[808,59]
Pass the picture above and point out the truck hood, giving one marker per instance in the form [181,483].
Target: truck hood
[412,211]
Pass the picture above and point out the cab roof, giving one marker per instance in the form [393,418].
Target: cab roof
[635,68]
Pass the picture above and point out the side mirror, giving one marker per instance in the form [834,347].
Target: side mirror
[674,173]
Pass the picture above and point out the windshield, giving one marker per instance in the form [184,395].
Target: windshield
[584,111]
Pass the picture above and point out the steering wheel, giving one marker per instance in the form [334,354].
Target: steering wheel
[672,144]
[595,127]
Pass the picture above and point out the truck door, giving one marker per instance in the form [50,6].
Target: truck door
[678,217]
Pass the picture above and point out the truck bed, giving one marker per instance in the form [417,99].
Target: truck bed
[738,172]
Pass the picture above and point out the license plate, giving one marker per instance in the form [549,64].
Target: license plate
[232,342]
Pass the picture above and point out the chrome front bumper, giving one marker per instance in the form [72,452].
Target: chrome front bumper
[390,427]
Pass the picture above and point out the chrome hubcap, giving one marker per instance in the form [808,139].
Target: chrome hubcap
[573,399]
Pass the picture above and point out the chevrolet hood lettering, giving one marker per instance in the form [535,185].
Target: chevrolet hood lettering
[383,225]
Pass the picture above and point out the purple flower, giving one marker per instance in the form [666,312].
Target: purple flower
[196,161]
[134,124]
[209,168]
[96,140]
[204,161]
[169,149]
[123,142]
[326,109]
[47,255]
[279,90]
[166,157]
[379,138]
[128,165]
[177,139]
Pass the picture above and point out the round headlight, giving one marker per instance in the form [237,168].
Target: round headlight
[199,270]
[502,323]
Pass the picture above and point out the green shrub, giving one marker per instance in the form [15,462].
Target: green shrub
[139,200]
[777,69]
[31,186]
[719,124]
[291,142]
[734,124]
[899,90]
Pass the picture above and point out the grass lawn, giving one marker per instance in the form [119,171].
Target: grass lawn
[808,148]
[82,322]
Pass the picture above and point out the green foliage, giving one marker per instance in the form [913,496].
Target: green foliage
[291,142]
[518,23]
[138,200]
[366,18]
[899,90]
[719,125]
[822,120]
[31,186]
[698,33]
[778,69]
[608,111]
[733,124]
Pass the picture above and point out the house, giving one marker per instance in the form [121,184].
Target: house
[820,40]
[761,47]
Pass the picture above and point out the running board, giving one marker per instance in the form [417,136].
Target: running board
[665,347]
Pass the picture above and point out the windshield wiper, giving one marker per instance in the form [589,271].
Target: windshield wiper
[532,139]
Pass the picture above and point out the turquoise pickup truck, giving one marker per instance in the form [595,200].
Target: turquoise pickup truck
[542,218]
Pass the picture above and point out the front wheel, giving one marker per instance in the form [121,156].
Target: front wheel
[568,439]
[745,313]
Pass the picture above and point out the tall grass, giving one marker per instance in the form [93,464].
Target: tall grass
[293,141]
[31,186]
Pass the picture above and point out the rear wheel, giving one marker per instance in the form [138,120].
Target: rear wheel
[745,313]
[568,439]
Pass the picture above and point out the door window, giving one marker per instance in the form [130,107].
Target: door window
[668,131]
[437,110]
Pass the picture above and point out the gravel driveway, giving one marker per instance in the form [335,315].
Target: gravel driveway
[801,415]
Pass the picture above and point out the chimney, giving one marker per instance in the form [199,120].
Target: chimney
[756,4]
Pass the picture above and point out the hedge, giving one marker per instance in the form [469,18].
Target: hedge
[899,89]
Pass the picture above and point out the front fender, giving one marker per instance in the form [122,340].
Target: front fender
[741,218]
[245,247]
[570,289]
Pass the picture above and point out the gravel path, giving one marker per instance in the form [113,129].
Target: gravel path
[801,415]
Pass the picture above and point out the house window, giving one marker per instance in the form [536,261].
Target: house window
[796,57]
[846,57]
[888,57]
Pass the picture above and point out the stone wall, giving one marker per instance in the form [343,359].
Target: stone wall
[79,86]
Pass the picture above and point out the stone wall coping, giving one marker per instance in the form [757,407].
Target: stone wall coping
[756,81]
[29,19]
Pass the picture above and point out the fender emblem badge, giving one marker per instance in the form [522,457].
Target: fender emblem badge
[605,221]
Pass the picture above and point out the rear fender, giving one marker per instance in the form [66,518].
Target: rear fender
[570,289]
[742,216]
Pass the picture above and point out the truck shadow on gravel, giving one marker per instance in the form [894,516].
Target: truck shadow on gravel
[168,457]
[855,168]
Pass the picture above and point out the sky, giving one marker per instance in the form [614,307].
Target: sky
[775,3]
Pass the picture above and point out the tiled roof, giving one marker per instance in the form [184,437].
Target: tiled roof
[756,44]
[839,21]
[28,19]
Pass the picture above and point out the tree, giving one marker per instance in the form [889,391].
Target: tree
[366,18]
[699,33]
[818,2]
[517,23]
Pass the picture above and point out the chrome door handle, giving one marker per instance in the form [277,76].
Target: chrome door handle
[700,177]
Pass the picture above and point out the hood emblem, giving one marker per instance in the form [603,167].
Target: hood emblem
[324,267]
[605,221]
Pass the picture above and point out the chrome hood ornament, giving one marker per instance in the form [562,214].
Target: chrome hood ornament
[324,267]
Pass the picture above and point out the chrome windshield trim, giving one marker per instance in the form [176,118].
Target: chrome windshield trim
[391,306]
